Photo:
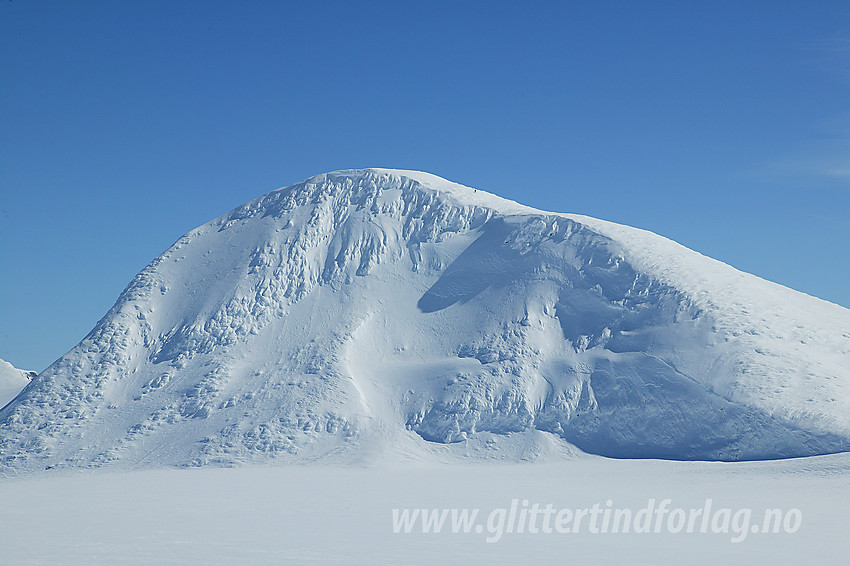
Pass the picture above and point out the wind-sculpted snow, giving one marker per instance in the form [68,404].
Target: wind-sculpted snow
[381,313]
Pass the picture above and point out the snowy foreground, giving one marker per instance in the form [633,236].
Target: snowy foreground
[309,514]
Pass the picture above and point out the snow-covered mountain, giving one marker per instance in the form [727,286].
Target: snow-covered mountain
[382,312]
[12,381]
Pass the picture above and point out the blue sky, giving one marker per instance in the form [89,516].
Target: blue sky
[722,125]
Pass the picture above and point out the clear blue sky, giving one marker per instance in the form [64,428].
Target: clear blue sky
[723,125]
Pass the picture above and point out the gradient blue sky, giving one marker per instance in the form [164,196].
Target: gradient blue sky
[722,125]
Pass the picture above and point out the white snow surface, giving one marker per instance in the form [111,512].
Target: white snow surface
[12,381]
[316,514]
[389,314]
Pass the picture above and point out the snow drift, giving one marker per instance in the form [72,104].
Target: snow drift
[391,312]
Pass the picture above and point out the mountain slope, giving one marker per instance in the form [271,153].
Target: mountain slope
[12,381]
[390,312]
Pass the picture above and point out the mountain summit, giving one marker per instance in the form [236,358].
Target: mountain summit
[380,312]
